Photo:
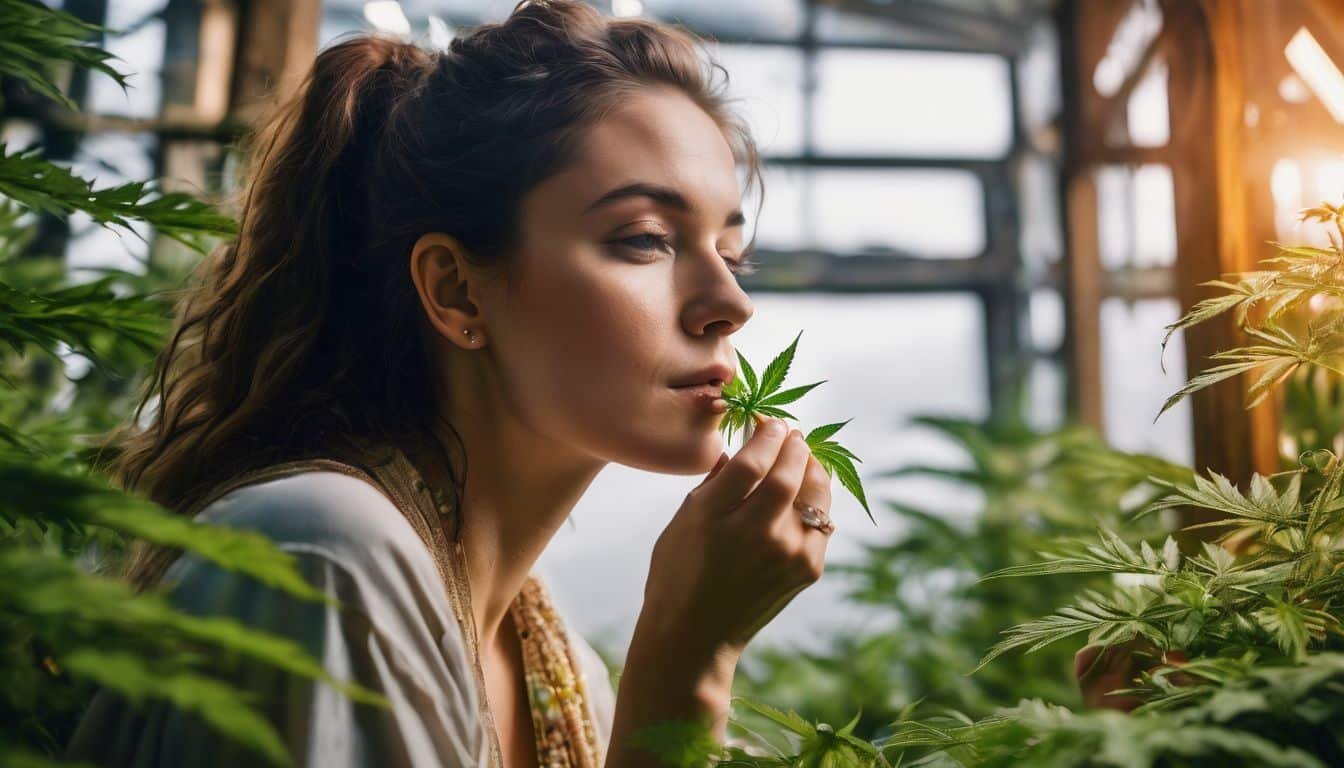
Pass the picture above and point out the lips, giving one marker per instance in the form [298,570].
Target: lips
[706,396]
[715,375]
[704,390]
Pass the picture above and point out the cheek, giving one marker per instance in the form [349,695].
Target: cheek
[590,339]
[590,353]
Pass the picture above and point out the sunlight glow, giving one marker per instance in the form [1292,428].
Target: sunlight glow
[1316,69]
[388,16]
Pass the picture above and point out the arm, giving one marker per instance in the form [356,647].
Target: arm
[664,679]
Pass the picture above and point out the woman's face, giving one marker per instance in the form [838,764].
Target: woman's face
[620,291]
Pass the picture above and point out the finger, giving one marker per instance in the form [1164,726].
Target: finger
[816,488]
[723,459]
[779,488]
[1085,661]
[740,475]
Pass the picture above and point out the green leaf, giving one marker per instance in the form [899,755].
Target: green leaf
[841,466]
[35,36]
[790,395]
[748,373]
[820,434]
[43,186]
[225,708]
[56,498]
[790,720]
[778,368]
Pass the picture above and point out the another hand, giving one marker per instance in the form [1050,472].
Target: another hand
[1100,670]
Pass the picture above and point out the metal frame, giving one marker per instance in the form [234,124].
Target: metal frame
[274,40]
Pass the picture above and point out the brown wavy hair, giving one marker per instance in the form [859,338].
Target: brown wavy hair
[306,329]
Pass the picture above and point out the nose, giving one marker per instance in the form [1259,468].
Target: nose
[720,307]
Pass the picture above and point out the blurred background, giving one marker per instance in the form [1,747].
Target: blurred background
[983,209]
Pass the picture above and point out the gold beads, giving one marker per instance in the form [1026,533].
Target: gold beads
[555,683]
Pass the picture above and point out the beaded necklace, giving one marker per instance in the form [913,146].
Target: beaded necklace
[557,693]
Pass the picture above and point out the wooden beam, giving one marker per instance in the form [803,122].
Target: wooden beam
[277,42]
[1083,40]
[804,270]
[1206,95]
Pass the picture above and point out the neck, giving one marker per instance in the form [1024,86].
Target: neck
[519,488]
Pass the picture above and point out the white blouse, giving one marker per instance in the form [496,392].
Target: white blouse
[396,635]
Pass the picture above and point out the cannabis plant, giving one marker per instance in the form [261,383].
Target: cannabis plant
[927,620]
[748,395]
[67,624]
[1259,622]
[1244,635]
[1266,305]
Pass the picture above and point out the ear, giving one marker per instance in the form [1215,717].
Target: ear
[443,281]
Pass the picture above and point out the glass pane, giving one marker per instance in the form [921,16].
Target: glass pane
[1046,308]
[781,223]
[1149,123]
[1134,386]
[1041,236]
[769,81]
[835,25]
[139,53]
[1136,216]
[774,20]
[341,16]
[110,158]
[1046,385]
[912,103]
[1038,84]
[863,348]
[929,213]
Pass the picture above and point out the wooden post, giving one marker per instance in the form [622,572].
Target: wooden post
[1207,104]
[1084,34]
[277,42]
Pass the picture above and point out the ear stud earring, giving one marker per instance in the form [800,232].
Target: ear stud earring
[471,337]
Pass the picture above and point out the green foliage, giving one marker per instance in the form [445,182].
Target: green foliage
[797,743]
[1256,611]
[65,625]
[1262,303]
[747,396]
[38,38]
[928,619]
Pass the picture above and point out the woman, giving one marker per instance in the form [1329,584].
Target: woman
[464,283]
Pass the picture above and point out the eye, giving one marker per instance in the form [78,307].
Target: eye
[647,242]
[744,264]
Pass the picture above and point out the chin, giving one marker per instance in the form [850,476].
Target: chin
[694,457]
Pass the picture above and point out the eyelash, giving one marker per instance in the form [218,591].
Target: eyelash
[744,265]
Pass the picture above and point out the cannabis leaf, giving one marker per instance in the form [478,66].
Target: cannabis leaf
[1297,275]
[748,395]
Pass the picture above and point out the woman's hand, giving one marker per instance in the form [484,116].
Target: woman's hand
[734,555]
[736,551]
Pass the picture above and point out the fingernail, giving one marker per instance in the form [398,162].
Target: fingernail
[774,426]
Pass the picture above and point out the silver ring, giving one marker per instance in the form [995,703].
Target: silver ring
[814,517]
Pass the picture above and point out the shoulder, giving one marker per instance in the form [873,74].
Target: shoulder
[322,509]
[347,538]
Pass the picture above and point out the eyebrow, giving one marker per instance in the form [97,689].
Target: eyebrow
[661,195]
